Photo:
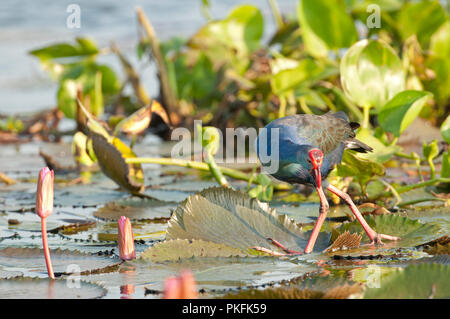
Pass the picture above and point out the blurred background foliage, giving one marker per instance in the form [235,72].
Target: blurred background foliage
[383,62]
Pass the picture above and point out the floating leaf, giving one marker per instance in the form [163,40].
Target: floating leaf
[412,232]
[36,288]
[319,37]
[111,157]
[421,281]
[229,217]
[174,250]
[371,73]
[135,209]
[397,114]
[32,260]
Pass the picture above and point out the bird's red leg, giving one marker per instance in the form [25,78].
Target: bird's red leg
[374,237]
[323,214]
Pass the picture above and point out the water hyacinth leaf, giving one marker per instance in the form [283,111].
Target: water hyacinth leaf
[419,281]
[320,38]
[445,129]
[32,260]
[305,73]
[412,232]
[175,250]
[440,41]
[363,170]
[397,114]
[111,155]
[230,217]
[422,19]
[231,40]
[36,288]
[381,153]
[135,209]
[84,47]
[371,73]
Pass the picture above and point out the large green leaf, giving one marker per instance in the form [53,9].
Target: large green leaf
[421,281]
[397,114]
[326,26]
[229,217]
[440,41]
[422,18]
[305,73]
[371,73]
[84,47]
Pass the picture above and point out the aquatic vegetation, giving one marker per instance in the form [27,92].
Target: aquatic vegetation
[213,224]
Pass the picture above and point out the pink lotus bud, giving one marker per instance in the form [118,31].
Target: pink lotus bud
[126,239]
[182,287]
[44,193]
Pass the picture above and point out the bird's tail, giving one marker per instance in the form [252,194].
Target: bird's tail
[356,145]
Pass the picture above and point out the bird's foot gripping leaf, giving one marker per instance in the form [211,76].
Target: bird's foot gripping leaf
[376,240]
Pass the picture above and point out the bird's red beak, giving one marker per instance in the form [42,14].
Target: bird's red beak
[316,157]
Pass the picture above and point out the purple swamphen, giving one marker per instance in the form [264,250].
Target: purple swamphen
[303,149]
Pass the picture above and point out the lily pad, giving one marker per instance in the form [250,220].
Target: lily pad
[230,217]
[43,288]
[135,209]
[174,250]
[421,281]
[31,260]
[412,232]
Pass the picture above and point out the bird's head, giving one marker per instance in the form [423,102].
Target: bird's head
[316,160]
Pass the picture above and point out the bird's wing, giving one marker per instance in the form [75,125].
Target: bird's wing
[325,132]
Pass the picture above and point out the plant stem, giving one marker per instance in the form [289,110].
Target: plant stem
[406,188]
[276,13]
[168,97]
[216,171]
[366,113]
[200,166]
[46,249]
